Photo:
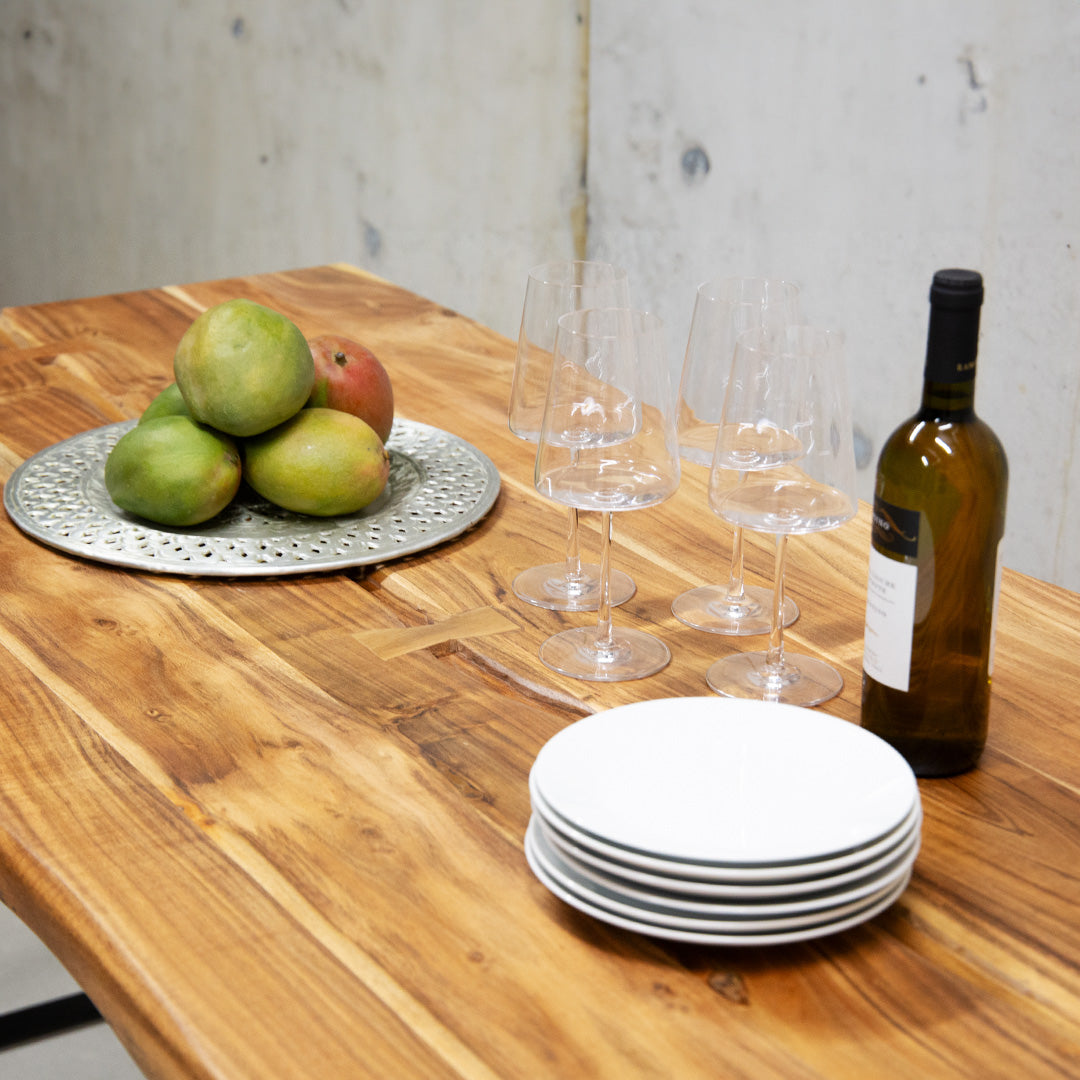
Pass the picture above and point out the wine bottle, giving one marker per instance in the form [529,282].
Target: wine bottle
[935,570]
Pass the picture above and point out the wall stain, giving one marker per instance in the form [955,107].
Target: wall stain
[579,207]
[864,448]
[969,65]
[372,239]
[977,100]
[695,164]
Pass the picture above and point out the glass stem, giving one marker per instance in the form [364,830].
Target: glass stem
[573,550]
[774,662]
[736,594]
[604,640]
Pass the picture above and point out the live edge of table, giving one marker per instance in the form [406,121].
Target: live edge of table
[274,826]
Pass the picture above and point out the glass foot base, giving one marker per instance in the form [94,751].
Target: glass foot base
[801,681]
[634,655]
[707,608]
[549,587]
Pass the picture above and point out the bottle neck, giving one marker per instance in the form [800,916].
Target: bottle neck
[948,399]
[951,347]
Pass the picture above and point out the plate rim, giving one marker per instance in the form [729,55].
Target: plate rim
[734,874]
[764,893]
[699,938]
[704,924]
[580,767]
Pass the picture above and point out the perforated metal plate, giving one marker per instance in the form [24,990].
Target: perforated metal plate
[440,485]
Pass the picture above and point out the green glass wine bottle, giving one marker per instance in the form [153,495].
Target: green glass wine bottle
[935,570]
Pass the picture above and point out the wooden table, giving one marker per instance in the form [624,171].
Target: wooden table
[274,826]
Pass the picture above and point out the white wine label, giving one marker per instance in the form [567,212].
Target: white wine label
[890,620]
[895,529]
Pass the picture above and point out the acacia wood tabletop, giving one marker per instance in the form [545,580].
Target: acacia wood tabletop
[274,825]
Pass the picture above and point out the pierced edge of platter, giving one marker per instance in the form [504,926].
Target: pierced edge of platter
[440,486]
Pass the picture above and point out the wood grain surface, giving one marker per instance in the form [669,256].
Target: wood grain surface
[274,826]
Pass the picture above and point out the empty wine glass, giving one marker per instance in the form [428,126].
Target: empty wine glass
[608,443]
[723,309]
[552,290]
[784,464]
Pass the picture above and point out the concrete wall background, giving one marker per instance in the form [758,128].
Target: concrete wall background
[439,144]
[854,147]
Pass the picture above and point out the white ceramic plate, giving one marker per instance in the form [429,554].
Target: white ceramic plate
[725,781]
[666,933]
[795,875]
[748,921]
[733,900]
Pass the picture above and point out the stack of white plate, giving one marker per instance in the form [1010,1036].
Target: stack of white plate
[723,822]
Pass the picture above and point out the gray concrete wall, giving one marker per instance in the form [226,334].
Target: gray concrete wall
[853,146]
[857,146]
[439,144]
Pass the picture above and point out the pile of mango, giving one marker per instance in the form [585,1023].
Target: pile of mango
[304,424]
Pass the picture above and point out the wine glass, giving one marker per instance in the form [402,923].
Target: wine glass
[608,443]
[784,464]
[723,309]
[553,289]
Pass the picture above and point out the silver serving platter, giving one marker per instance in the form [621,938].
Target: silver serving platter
[439,486]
